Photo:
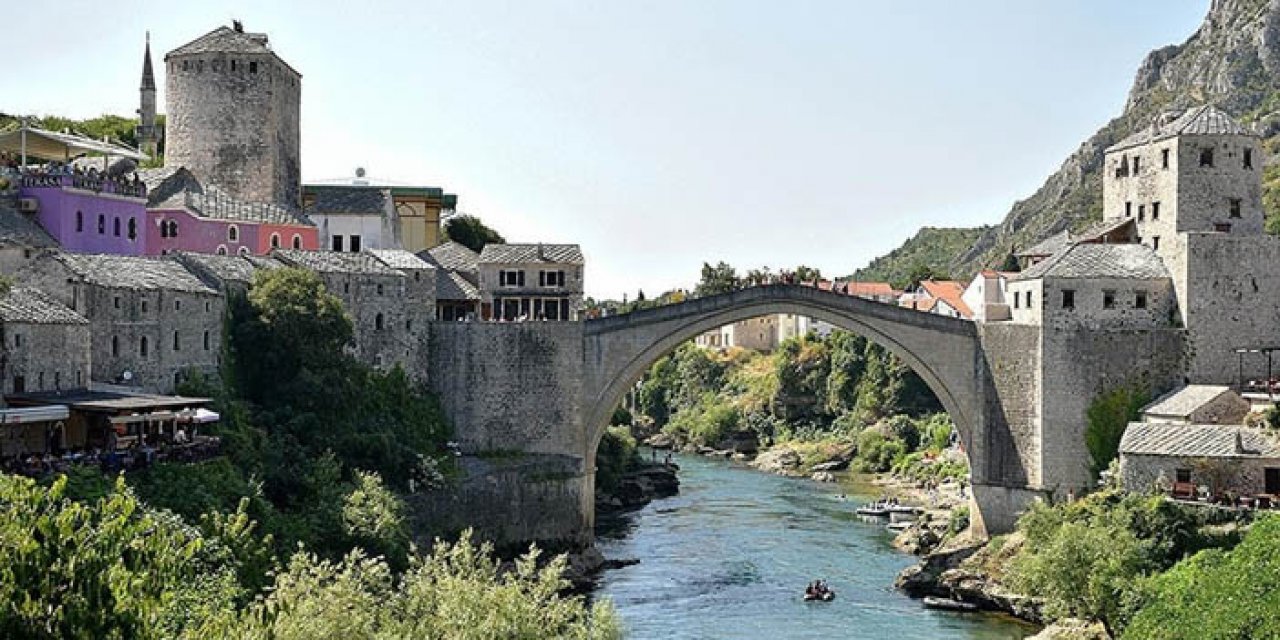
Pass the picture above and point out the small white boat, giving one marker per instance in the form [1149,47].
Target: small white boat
[876,509]
[825,596]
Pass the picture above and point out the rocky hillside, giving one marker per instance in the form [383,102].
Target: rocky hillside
[931,250]
[1232,60]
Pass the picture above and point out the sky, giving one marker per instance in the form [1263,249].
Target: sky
[661,134]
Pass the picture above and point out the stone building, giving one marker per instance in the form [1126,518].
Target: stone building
[531,281]
[1223,459]
[228,274]
[151,321]
[1198,404]
[44,346]
[457,279]
[985,296]
[1096,286]
[361,214]
[233,116]
[390,324]
[942,297]
[21,238]
[420,278]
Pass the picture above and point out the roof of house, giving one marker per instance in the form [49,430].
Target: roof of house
[450,285]
[1202,120]
[350,199]
[1197,440]
[1185,400]
[229,268]
[948,291]
[452,256]
[32,306]
[1048,246]
[335,262]
[224,40]
[133,272]
[178,188]
[855,288]
[17,228]
[1134,261]
[400,259]
[528,253]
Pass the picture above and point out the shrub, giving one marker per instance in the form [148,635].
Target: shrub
[876,452]
[617,452]
[1108,415]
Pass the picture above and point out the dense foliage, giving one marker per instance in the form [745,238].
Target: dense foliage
[113,567]
[616,453]
[470,232]
[1108,415]
[929,253]
[1088,558]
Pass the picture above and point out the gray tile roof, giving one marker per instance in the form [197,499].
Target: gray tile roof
[175,188]
[227,268]
[1134,261]
[17,228]
[452,256]
[335,262]
[1197,440]
[1202,120]
[531,253]
[133,272]
[450,285]
[400,259]
[1048,246]
[224,40]
[1184,401]
[32,306]
[349,199]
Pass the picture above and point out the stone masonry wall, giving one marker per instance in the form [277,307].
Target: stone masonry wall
[510,386]
[1243,476]
[49,357]
[1232,301]
[1012,359]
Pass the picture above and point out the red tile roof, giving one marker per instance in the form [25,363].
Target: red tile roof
[950,291]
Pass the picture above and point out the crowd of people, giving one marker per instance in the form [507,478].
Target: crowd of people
[54,172]
[138,454]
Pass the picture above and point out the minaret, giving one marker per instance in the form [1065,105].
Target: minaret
[147,134]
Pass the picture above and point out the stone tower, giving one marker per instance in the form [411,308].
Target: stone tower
[148,134]
[233,116]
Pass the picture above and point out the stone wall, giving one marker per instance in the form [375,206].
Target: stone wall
[510,500]
[236,127]
[510,386]
[48,357]
[1010,447]
[1232,301]
[389,329]
[1242,475]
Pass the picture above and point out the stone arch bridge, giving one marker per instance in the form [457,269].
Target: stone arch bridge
[547,390]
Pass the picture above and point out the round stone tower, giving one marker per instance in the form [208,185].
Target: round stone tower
[233,116]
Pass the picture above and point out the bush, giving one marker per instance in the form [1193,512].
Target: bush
[616,453]
[1108,415]
[374,517]
[876,452]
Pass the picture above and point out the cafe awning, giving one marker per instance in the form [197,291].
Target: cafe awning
[27,415]
[31,142]
[154,416]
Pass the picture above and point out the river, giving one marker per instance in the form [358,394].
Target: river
[729,558]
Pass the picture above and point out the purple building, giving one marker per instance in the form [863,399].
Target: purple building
[88,215]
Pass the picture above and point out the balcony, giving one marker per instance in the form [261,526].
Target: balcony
[123,187]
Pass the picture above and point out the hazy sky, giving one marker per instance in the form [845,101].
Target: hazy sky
[659,134]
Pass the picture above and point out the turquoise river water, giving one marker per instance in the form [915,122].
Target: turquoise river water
[730,556]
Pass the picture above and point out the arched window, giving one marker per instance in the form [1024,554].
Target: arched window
[244,251]
[173,228]
[221,250]
[297,241]
[79,221]
[164,229]
[377,322]
[142,347]
[233,233]
[275,241]
[133,229]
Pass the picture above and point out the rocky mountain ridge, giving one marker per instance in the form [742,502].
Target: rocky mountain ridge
[1232,60]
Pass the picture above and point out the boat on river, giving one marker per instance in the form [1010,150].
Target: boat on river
[874,509]
[825,596]
[947,604]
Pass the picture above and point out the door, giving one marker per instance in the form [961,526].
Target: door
[1272,480]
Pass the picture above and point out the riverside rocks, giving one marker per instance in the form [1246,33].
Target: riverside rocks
[952,571]
[639,486]
[779,460]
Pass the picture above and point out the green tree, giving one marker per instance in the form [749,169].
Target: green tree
[470,232]
[721,278]
[1108,415]
[374,517]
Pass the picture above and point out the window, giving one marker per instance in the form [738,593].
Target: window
[1017,300]
[177,344]
[1222,227]
[337,243]
[1137,162]
[1140,300]
[275,241]
[408,325]
[1028,299]
[1108,299]
[244,251]
[207,306]
[177,305]
[79,221]
[1182,475]
[116,302]
[253,67]
[1271,480]
[379,288]
[1164,158]
[1142,212]
[115,227]
[233,233]
[19,384]
[1068,299]
[346,287]
[221,250]
[297,241]
[511,278]
[1155,243]
[1155,210]
[377,322]
[142,347]
[1206,157]
[1128,209]
[173,228]
[102,225]
[1248,158]
[115,346]
[206,341]
[1234,208]
[17,340]
[355,244]
[144,306]
[551,278]
[133,229]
